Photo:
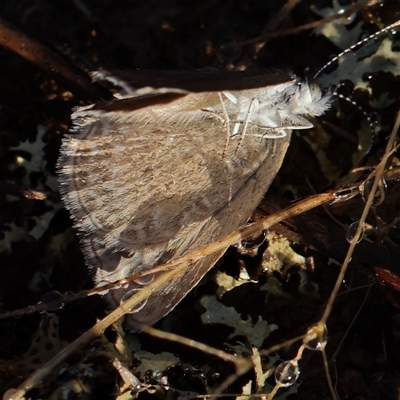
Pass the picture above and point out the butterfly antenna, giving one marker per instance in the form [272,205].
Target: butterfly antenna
[356,45]
[370,117]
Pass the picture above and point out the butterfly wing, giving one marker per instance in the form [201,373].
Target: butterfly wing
[142,193]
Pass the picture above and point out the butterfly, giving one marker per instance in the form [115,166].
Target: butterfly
[178,161]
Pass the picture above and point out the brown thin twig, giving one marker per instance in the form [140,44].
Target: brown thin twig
[267,36]
[178,264]
[378,174]
[51,63]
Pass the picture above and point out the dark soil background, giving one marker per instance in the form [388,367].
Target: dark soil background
[40,252]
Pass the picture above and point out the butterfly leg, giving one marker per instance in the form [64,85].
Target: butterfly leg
[227,122]
[245,123]
[275,132]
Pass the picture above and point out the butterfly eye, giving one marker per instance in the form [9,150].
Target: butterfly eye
[315,92]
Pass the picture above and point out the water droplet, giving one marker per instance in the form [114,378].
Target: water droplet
[316,337]
[125,285]
[346,193]
[380,194]
[351,231]
[250,245]
[137,307]
[53,301]
[286,373]
[145,279]
[345,20]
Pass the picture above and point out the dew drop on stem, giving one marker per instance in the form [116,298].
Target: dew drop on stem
[380,194]
[286,373]
[351,231]
[137,307]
